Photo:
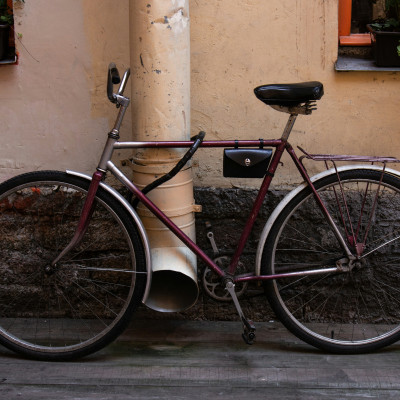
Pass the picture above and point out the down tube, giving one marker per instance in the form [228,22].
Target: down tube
[163,218]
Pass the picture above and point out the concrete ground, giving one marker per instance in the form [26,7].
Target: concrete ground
[203,360]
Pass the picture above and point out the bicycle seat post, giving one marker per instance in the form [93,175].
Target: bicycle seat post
[289,127]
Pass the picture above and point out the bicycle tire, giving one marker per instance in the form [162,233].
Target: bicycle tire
[350,312]
[87,300]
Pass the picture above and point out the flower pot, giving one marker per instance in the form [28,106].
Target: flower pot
[384,45]
[4,35]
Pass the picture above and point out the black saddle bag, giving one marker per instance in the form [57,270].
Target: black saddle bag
[246,163]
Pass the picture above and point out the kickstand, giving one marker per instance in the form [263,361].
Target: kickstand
[249,334]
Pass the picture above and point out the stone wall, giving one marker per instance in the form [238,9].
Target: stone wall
[227,210]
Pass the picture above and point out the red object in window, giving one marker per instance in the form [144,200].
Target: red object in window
[346,38]
[344,17]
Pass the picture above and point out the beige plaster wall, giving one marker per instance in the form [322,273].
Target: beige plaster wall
[55,113]
[237,46]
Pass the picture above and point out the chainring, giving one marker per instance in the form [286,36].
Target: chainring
[212,282]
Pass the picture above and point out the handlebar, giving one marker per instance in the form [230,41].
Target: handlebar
[113,78]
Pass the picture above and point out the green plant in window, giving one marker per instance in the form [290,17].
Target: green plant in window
[392,9]
[391,22]
[6,14]
[387,47]
[387,25]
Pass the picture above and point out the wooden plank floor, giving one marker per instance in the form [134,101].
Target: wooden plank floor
[199,360]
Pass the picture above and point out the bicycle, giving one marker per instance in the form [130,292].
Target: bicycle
[75,259]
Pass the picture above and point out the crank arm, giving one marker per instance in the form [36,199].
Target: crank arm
[248,334]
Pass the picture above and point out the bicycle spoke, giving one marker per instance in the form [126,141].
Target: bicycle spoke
[308,239]
[357,310]
[86,300]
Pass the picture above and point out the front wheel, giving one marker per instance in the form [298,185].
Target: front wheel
[84,302]
[358,309]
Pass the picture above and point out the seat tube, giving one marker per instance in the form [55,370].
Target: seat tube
[257,205]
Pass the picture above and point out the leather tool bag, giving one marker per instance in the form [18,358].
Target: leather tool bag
[246,163]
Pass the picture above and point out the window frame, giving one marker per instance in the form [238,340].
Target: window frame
[346,38]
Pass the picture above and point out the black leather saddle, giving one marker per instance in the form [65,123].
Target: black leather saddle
[290,94]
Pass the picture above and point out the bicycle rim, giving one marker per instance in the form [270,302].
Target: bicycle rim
[356,310]
[86,300]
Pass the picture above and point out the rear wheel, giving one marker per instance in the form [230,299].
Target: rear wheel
[87,300]
[356,310]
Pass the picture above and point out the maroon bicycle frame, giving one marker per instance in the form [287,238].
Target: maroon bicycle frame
[280,146]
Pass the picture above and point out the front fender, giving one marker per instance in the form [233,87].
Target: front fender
[297,190]
[137,220]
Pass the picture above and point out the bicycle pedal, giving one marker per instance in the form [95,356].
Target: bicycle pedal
[249,337]
[249,334]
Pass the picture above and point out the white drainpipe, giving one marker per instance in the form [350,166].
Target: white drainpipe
[160,65]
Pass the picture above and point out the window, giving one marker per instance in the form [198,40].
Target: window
[353,18]
[7,33]
[356,52]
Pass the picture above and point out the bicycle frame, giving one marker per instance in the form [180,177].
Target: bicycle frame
[280,145]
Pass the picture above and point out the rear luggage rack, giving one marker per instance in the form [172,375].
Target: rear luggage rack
[342,157]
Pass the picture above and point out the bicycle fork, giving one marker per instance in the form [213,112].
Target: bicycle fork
[84,219]
[89,205]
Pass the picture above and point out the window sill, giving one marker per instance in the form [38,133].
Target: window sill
[353,63]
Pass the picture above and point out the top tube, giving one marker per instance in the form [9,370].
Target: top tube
[206,143]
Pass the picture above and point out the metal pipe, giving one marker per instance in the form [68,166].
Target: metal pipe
[160,66]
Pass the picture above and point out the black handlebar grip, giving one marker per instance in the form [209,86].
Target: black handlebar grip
[113,78]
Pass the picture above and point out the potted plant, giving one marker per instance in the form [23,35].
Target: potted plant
[385,36]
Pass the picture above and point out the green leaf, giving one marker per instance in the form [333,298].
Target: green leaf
[377,26]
